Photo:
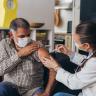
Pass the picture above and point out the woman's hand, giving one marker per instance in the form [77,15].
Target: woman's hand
[50,63]
[63,49]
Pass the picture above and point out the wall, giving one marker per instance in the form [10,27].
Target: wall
[37,11]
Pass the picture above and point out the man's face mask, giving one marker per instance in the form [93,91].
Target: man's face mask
[21,42]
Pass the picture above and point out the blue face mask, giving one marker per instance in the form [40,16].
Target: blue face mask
[22,42]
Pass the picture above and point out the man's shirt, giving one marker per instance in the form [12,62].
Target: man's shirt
[26,72]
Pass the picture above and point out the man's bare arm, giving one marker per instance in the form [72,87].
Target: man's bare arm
[51,80]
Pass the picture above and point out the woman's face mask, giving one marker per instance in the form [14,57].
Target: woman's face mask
[77,45]
[82,47]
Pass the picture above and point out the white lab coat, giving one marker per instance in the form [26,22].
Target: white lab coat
[84,79]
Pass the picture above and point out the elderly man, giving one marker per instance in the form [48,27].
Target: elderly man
[20,65]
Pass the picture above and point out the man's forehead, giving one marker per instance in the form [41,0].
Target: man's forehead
[23,31]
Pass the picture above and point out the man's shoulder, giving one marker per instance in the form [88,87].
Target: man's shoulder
[5,41]
[38,42]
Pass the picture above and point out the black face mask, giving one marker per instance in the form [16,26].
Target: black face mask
[83,52]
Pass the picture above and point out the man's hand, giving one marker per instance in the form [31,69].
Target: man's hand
[28,50]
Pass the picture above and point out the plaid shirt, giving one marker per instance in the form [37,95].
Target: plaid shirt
[26,72]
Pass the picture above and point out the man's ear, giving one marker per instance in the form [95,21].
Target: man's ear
[10,35]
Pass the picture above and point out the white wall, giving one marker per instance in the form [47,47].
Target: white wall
[37,11]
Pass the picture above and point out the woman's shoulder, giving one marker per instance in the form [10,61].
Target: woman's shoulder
[91,62]
[90,66]
[93,59]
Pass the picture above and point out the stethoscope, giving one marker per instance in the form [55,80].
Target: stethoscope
[83,62]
